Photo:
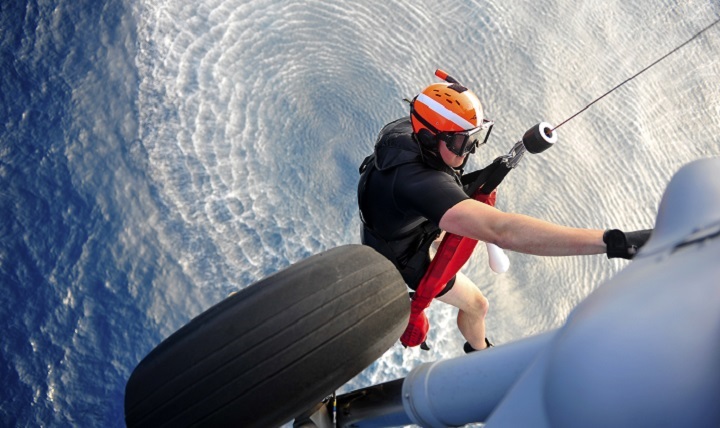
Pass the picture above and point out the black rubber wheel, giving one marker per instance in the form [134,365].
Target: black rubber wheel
[273,350]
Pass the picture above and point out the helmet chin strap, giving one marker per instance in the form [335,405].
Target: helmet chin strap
[429,150]
[462,166]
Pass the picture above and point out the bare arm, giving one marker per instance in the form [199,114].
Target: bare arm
[519,232]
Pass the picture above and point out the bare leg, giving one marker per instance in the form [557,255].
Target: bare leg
[473,307]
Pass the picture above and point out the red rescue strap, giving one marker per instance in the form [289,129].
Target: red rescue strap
[452,254]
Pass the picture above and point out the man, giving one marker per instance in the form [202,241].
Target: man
[411,189]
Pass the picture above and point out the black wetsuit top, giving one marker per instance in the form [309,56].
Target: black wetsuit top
[403,193]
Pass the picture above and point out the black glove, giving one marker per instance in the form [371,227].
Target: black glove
[625,245]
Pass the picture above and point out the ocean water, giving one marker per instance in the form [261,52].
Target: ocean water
[156,155]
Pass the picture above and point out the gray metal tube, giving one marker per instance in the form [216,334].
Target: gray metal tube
[467,389]
[375,406]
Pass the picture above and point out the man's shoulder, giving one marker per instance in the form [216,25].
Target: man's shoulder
[424,182]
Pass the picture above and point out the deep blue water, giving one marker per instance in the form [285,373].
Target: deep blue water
[71,322]
[154,157]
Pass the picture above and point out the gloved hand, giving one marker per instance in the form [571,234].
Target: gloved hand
[625,244]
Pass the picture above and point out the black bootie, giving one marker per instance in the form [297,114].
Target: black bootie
[468,349]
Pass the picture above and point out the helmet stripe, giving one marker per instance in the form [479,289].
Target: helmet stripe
[444,112]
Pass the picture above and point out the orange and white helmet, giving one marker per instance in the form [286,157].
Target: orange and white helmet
[451,113]
[446,107]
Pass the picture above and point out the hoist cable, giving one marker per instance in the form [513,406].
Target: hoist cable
[698,34]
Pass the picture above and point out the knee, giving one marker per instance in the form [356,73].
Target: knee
[480,305]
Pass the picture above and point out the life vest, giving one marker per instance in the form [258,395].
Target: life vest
[407,247]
